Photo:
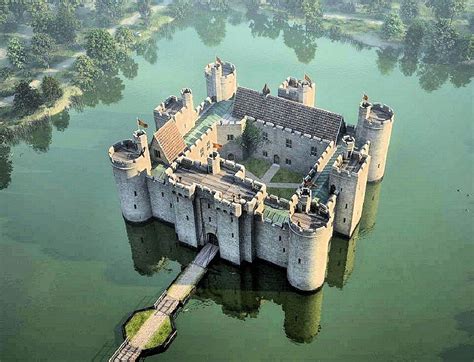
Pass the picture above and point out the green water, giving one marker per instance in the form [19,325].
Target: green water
[72,270]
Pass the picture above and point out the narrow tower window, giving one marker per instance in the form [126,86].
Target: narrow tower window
[289,143]
[135,193]
[314,151]
[299,260]
[135,206]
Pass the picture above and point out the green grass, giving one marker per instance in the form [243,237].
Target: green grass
[284,193]
[134,324]
[255,166]
[160,336]
[284,175]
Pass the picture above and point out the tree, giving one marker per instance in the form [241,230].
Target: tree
[180,9]
[66,26]
[446,9]
[26,99]
[42,47]
[86,73]
[392,26]
[125,38]
[409,10]
[144,8]
[313,14]
[16,53]
[251,139]
[62,26]
[109,10]
[51,89]
[101,47]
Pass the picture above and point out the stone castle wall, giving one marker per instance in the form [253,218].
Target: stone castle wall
[299,154]
[378,133]
[308,253]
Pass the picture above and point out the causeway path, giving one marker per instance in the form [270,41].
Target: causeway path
[166,306]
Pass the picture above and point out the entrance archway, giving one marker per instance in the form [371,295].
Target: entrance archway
[212,238]
[276,159]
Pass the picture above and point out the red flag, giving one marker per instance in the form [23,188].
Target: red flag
[142,123]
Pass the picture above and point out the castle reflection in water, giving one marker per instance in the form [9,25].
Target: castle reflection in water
[241,291]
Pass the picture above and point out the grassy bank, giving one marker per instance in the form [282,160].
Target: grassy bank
[134,324]
[160,336]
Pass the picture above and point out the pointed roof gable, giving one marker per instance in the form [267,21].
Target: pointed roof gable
[170,140]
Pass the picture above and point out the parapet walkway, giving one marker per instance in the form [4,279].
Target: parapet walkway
[168,303]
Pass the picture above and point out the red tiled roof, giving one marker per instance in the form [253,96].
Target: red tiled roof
[170,140]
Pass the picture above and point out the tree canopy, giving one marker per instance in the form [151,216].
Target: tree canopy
[392,27]
[16,53]
[51,89]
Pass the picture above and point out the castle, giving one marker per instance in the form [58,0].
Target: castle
[180,177]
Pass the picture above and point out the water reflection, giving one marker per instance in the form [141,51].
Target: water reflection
[241,291]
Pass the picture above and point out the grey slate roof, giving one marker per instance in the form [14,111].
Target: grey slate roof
[297,116]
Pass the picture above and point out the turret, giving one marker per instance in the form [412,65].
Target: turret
[214,163]
[187,97]
[347,180]
[302,91]
[131,164]
[221,80]
[310,234]
[375,125]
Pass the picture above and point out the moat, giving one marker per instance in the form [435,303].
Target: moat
[73,269]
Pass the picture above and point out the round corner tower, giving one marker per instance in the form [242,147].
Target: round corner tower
[375,125]
[131,164]
[310,236]
[221,80]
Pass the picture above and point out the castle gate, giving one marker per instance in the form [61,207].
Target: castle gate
[212,239]
[276,159]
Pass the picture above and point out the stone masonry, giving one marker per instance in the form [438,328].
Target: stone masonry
[180,177]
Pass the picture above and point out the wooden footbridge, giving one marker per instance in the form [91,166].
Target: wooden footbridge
[167,304]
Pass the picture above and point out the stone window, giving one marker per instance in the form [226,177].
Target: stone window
[209,219]
[157,154]
[231,219]
[299,260]
[265,154]
[346,206]
[187,217]
[279,238]
[378,166]
[230,137]
[344,220]
[171,205]
[208,144]
[162,194]
[177,199]
[135,206]
[232,234]
[288,143]
[135,193]
[201,151]
[314,151]
[265,136]
[288,161]
[284,249]
[208,206]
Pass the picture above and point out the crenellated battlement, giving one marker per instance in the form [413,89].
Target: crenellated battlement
[211,199]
